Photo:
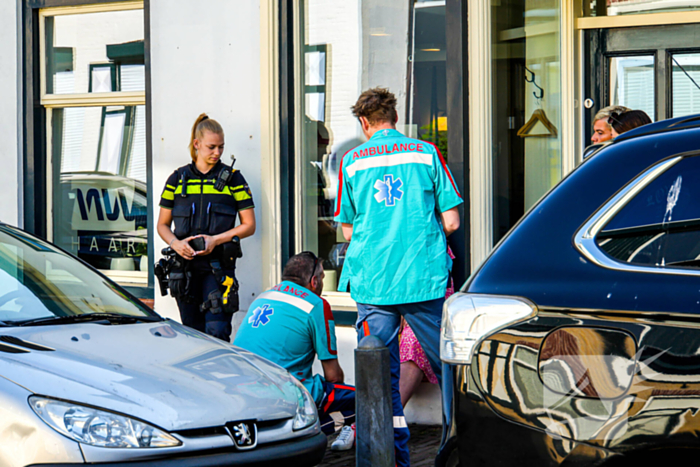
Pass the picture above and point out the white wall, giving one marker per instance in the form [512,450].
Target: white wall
[10,117]
[205,57]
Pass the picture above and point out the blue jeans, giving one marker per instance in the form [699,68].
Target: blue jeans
[383,321]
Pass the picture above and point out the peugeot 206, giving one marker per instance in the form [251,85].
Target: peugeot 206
[577,341]
[89,375]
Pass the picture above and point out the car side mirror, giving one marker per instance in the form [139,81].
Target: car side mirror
[588,362]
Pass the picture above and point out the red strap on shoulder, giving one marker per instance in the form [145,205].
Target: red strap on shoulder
[340,185]
[328,317]
[444,166]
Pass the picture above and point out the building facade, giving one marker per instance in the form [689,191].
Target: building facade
[99,98]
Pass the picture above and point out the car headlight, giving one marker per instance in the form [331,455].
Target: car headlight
[306,407]
[467,318]
[98,427]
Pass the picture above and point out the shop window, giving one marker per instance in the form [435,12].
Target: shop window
[660,226]
[633,7]
[526,119]
[685,87]
[632,82]
[93,90]
[348,47]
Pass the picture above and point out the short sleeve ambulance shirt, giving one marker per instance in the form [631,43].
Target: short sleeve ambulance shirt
[289,325]
[392,189]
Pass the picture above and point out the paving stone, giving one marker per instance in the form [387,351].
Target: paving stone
[423,447]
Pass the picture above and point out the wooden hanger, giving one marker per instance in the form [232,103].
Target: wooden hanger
[538,116]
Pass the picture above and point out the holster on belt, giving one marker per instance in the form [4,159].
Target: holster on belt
[225,298]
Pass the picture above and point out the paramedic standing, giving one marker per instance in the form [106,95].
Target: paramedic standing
[397,202]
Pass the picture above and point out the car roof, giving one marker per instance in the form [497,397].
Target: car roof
[672,124]
[538,258]
[96,177]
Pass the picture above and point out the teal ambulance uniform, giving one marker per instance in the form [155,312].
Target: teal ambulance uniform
[290,325]
[392,190]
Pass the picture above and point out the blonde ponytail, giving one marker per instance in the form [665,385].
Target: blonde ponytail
[202,124]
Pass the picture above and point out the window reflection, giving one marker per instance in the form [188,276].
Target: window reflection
[100,195]
[685,84]
[526,106]
[660,226]
[349,47]
[632,82]
[95,52]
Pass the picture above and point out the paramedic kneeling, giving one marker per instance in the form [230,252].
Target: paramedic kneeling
[289,325]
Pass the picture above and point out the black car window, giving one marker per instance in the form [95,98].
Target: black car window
[660,226]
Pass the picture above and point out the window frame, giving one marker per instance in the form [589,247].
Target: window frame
[292,91]
[585,238]
[37,106]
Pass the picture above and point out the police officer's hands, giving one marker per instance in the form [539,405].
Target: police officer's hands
[209,244]
[183,248]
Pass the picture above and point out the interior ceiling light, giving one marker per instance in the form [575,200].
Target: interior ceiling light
[430,50]
[378,32]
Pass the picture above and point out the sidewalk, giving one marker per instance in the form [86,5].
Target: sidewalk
[423,446]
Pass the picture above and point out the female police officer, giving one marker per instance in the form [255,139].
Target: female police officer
[203,199]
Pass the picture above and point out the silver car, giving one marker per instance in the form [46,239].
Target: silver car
[90,375]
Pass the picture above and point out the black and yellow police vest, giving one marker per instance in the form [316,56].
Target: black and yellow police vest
[198,207]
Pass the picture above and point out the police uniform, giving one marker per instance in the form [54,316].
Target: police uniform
[199,208]
[290,325]
[391,190]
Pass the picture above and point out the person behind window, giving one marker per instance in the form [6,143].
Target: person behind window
[203,199]
[602,130]
[627,121]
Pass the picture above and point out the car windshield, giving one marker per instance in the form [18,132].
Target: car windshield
[39,281]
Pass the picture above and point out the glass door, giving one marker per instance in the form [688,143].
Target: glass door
[347,48]
[653,68]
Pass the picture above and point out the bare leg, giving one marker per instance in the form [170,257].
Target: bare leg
[411,377]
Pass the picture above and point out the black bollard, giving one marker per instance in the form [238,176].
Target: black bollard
[375,418]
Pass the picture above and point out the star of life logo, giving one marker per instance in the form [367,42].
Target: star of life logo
[389,190]
[261,315]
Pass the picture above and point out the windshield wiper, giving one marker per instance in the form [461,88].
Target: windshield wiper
[111,318]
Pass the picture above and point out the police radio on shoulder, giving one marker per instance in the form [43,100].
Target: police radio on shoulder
[225,175]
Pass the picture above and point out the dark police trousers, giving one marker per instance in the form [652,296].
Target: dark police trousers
[203,283]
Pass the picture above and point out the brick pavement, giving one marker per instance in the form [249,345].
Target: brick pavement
[423,446]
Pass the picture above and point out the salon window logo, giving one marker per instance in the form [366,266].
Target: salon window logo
[389,190]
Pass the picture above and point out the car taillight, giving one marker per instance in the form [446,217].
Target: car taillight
[467,318]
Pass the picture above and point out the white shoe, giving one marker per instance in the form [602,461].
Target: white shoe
[345,440]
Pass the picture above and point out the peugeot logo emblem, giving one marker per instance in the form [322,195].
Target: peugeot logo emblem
[244,434]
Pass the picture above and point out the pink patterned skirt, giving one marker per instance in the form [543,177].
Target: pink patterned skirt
[409,347]
[411,351]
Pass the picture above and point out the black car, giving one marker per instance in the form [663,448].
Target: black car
[577,342]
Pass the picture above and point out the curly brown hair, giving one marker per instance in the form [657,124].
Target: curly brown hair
[377,105]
